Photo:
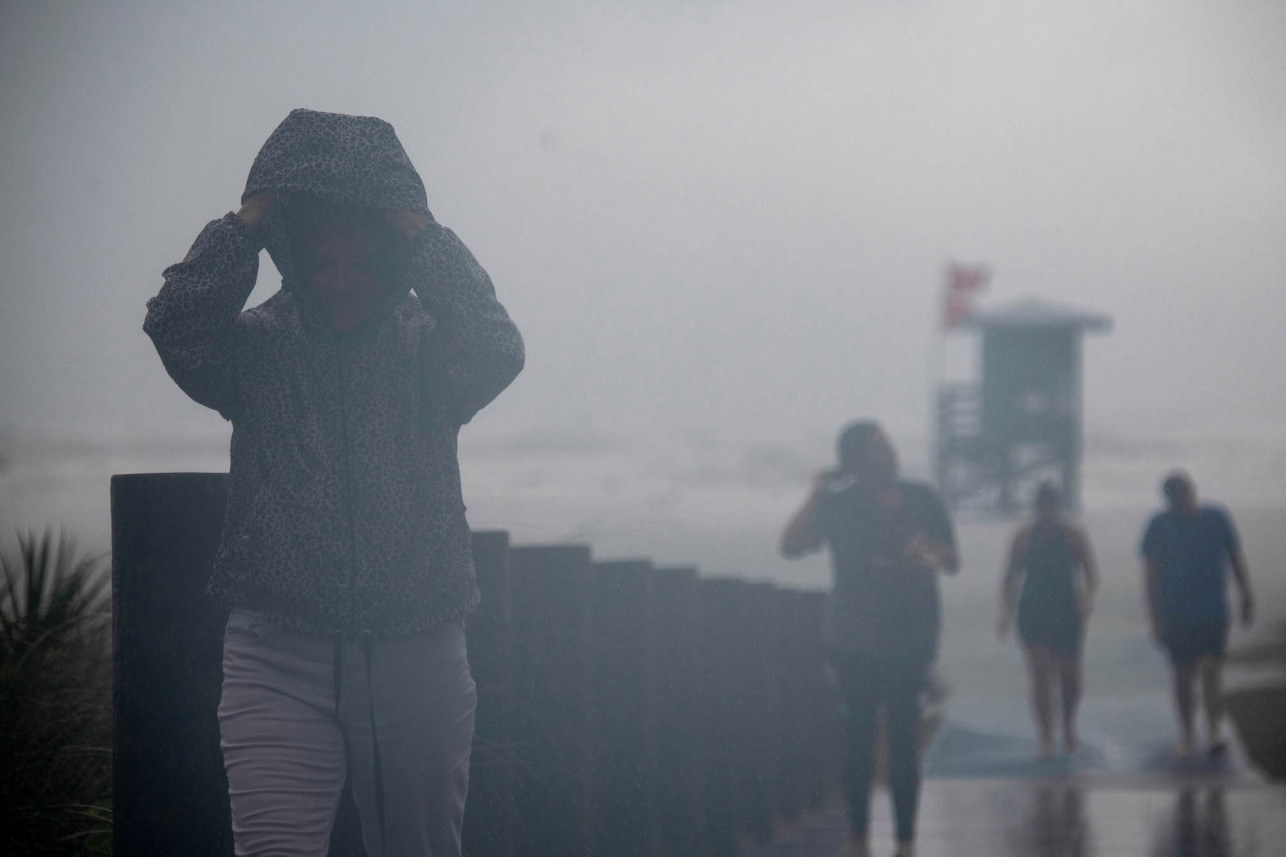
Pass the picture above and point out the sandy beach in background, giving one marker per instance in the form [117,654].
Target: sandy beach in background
[699,498]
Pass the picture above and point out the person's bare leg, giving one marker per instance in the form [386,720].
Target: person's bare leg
[1040,666]
[1070,680]
[1184,703]
[1211,670]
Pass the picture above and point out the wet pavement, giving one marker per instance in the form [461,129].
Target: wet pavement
[1068,817]
[1125,794]
[1121,739]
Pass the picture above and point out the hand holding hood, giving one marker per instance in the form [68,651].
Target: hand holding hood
[337,159]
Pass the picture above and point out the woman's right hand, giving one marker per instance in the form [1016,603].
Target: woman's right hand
[257,207]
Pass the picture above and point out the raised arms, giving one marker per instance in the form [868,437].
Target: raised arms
[192,320]
[479,350]
[803,534]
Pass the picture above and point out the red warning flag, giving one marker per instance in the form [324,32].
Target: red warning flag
[963,284]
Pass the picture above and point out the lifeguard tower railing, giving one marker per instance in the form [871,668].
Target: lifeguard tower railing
[1021,420]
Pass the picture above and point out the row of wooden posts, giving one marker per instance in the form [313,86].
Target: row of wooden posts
[624,710]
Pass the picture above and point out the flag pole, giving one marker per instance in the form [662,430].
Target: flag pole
[937,373]
[960,287]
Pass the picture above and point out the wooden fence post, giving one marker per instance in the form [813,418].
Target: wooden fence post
[169,792]
[794,701]
[625,711]
[681,754]
[760,757]
[490,820]
[821,721]
[722,711]
[553,701]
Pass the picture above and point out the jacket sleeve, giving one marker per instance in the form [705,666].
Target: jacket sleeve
[192,320]
[477,349]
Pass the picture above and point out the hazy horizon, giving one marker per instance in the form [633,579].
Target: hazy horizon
[723,216]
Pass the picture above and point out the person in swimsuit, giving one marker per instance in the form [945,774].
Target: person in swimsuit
[1052,578]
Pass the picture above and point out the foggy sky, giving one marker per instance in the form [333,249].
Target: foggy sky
[730,215]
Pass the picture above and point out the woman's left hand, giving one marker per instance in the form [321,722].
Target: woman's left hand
[408,223]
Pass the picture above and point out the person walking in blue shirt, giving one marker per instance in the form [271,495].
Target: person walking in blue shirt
[1187,551]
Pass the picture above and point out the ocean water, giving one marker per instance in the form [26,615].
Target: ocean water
[718,502]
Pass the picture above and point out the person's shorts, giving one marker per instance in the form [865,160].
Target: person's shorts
[1188,641]
[1061,634]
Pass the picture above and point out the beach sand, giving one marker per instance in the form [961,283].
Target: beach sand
[719,503]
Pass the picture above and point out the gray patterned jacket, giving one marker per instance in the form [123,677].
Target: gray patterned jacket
[345,514]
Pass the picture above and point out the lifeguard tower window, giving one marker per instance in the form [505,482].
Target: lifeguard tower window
[1020,421]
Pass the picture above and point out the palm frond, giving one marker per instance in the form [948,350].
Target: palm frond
[55,697]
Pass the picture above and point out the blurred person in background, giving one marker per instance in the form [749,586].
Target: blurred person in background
[345,558]
[1187,552]
[1051,579]
[889,541]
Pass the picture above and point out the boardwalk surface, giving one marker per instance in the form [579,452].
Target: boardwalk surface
[1068,817]
[1124,795]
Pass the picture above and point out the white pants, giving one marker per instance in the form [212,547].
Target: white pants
[298,714]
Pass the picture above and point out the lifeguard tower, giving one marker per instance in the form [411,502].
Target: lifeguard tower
[1019,422]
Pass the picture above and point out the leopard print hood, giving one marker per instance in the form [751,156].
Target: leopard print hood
[337,158]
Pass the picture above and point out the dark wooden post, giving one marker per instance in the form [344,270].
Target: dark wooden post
[489,819]
[553,701]
[760,758]
[680,753]
[722,711]
[624,708]
[622,711]
[824,728]
[794,716]
[170,795]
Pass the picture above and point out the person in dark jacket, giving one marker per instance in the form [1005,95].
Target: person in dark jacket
[889,540]
[1052,577]
[345,557]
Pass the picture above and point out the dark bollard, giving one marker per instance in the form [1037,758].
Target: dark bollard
[169,792]
[624,708]
[553,721]
[794,774]
[680,756]
[824,728]
[759,759]
[622,711]
[721,714]
[489,818]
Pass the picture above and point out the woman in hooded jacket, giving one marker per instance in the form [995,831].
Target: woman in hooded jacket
[345,559]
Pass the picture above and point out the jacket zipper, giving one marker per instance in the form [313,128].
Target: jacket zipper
[352,606]
[346,483]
